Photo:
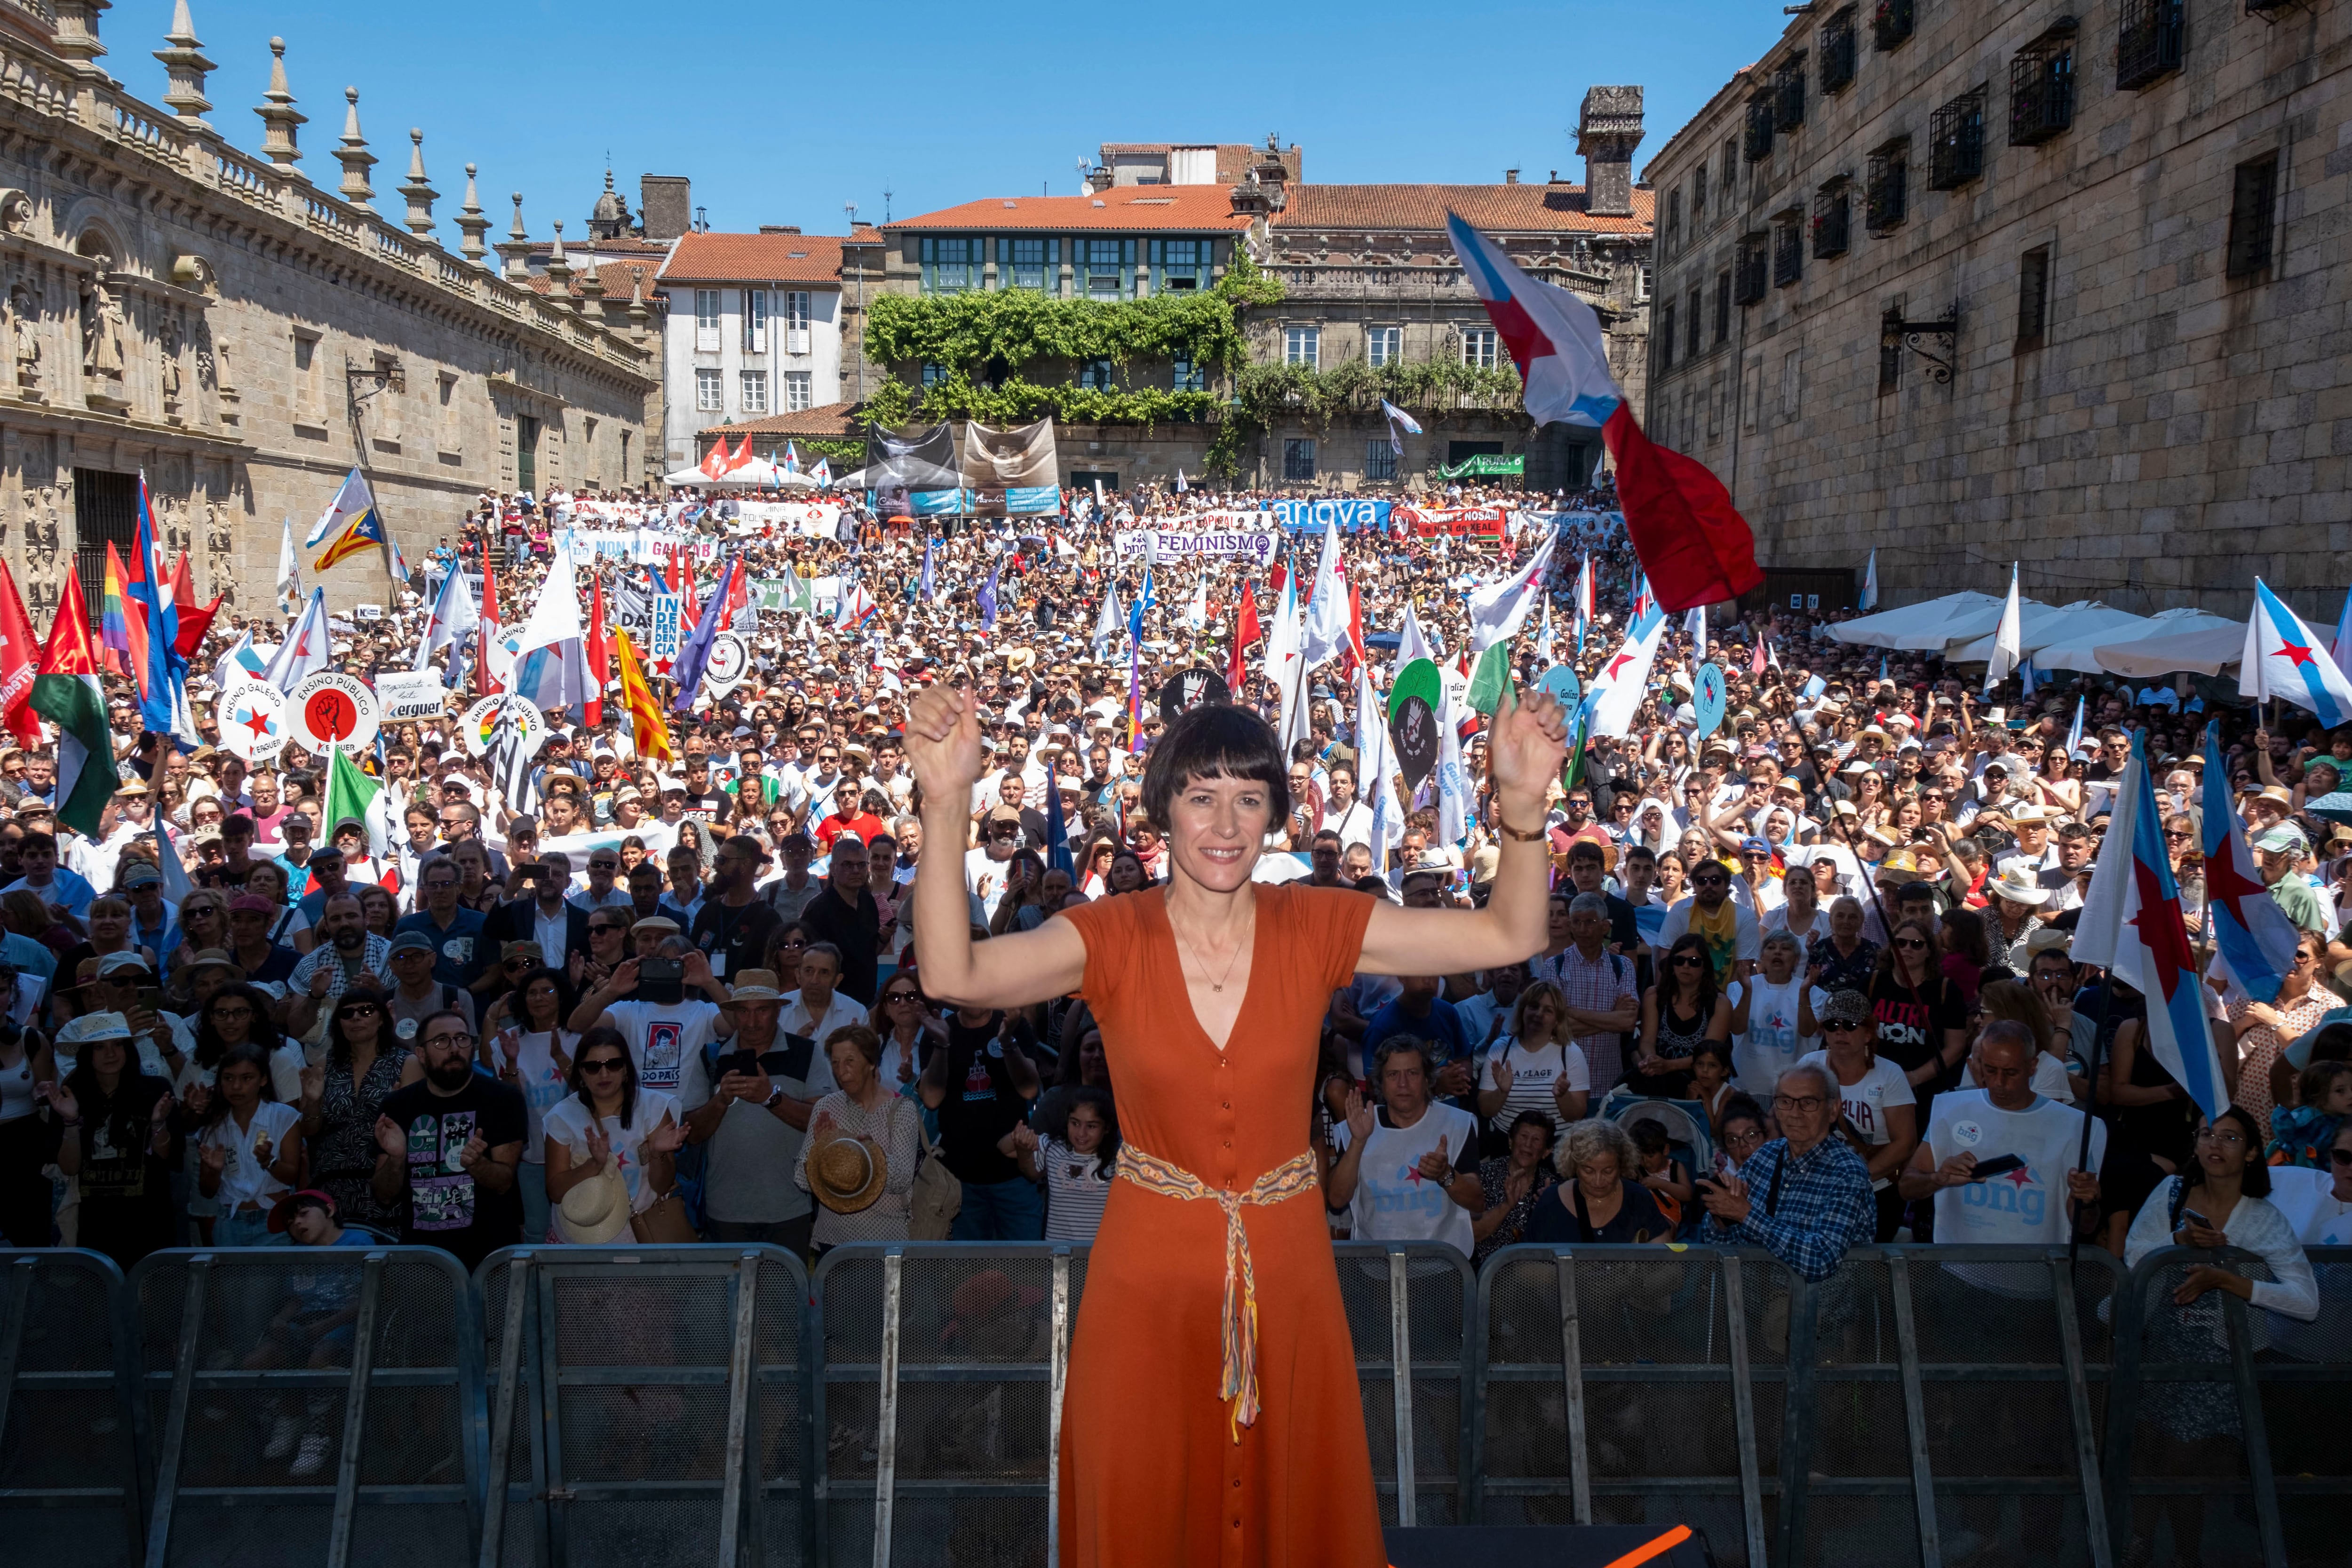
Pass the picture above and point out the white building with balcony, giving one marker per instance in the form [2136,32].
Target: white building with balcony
[754,330]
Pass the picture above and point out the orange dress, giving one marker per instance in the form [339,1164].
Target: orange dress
[1152,1476]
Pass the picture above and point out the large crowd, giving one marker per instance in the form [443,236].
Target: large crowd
[1809,984]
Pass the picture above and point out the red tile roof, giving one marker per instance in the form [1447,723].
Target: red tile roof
[1188,209]
[1503,209]
[617,276]
[829,419]
[755,257]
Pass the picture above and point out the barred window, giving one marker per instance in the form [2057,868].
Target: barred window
[1789,93]
[1698,195]
[1833,206]
[1749,274]
[2150,39]
[1788,250]
[1759,145]
[1837,52]
[1956,142]
[1666,338]
[1690,339]
[1723,306]
[1380,459]
[1297,461]
[2253,223]
[1884,194]
[1894,23]
[2041,87]
[1674,221]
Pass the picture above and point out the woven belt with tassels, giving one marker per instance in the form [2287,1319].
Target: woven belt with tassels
[1238,1384]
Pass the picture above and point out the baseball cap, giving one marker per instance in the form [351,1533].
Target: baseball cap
[1847,1009]
[411,942]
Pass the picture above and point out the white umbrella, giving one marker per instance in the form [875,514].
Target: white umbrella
[2202,649]
[2043,626]
[1921,626]
[2076,648]
[687,477]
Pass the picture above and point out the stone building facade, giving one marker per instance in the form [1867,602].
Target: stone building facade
[1368,275]
[2058,284]
[245,336]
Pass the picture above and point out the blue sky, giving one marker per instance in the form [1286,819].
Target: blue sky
[781,116]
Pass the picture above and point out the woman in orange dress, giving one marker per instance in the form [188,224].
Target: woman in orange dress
[1211,1415]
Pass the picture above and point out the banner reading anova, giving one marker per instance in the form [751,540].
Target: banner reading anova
[1354,514]
[1159,545]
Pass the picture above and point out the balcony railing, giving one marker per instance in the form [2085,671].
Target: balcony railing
[2148,42]
[1787,253]
[1747,278]
[1956,143]
[1833,221]
[1789,95]
[1884,194]
[1838,52]
[1757,144]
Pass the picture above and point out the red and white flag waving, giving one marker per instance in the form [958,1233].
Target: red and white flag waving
[1694,545]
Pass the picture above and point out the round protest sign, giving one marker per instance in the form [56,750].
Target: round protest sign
[1193,689]
[728,662]
[331,709]
[1706,699]
[1562,683]
[480,724]
[1414,728]
[252,719]
[1419,678]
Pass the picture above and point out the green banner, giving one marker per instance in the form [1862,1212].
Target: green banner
[1486,466]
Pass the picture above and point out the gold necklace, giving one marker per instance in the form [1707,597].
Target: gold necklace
[1184,950]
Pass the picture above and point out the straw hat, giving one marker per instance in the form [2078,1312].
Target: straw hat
[596,1211]
[846,1174]
[2016,884]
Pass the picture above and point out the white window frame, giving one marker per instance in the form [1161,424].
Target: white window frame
[752,385]
[709,391]
[797,385]
[1480,347]
[796,321]
[1383,345]
[755,320]
[705,321]
[1303,346]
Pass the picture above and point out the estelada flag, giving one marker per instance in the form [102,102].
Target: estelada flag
[1694,543]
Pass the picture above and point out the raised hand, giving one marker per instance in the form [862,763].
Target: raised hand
[214,1157]
[666,1139]
[1360,1118]
[1503,1074]
[476,1146]
[61,1098]
[943,742]
[392,1137]
[600,1147]
[1526,746]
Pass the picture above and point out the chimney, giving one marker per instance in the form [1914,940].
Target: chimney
[780,228]
[1607,132]
[1510,176]
[666,203]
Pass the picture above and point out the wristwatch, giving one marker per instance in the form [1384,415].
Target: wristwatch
[776,1097]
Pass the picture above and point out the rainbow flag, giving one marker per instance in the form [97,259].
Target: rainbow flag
[123,637]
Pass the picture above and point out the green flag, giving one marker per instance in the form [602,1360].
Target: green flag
[352,796]
[1572,771]
[1488,677]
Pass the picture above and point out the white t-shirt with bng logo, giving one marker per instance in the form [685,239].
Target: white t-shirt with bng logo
[1393,1200]
[2024,1208]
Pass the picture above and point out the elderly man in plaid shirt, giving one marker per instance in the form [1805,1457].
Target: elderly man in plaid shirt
[1805,1196]
[1597,985]
[348,954]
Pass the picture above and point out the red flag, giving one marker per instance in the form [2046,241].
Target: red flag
[743,455]
[1280,577]
[739,598]
[489,629]
[600,662]
[195,620]
[184,586]
[1246,631]
[1355,626]
[1691,540]
[714,462]
[1756,661]
[20,659]
[682,574]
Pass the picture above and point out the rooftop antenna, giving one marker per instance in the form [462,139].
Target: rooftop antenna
[1086,167]
[886,204]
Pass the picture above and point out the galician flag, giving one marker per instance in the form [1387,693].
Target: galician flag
[67,693]
[1870,583]
[2284,660]
[2256,939]
[2008,640]
[306,648]
[1616,690]
[289,575]
[1498,608]
[1694,544]
[2131,924]
[551,655]
[454,615]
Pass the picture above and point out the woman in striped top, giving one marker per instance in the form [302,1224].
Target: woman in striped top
[1537,1066]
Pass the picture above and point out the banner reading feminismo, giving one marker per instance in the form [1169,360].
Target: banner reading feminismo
[1259,546]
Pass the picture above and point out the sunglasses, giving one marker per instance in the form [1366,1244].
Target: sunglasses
[1686,961]
[359,1010]
[606,930]
[903,996]
[2339,1156]
[603,1065]
[1908,942]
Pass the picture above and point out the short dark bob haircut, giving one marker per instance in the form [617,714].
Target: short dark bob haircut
[1217,742]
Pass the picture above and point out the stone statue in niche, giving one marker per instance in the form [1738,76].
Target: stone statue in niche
[102,345]
[25,333]
[171,344]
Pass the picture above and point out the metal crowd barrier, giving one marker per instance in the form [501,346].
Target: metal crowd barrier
[709,1406]
[70,1472]
[337,1387]
[646,1407]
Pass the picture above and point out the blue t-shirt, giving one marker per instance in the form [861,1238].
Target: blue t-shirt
[1449,1038]
[459,952]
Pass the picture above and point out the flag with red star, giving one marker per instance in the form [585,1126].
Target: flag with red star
[2131,925]
[2284,660]
[2256,939]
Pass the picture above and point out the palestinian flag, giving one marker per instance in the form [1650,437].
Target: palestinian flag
[65,692]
